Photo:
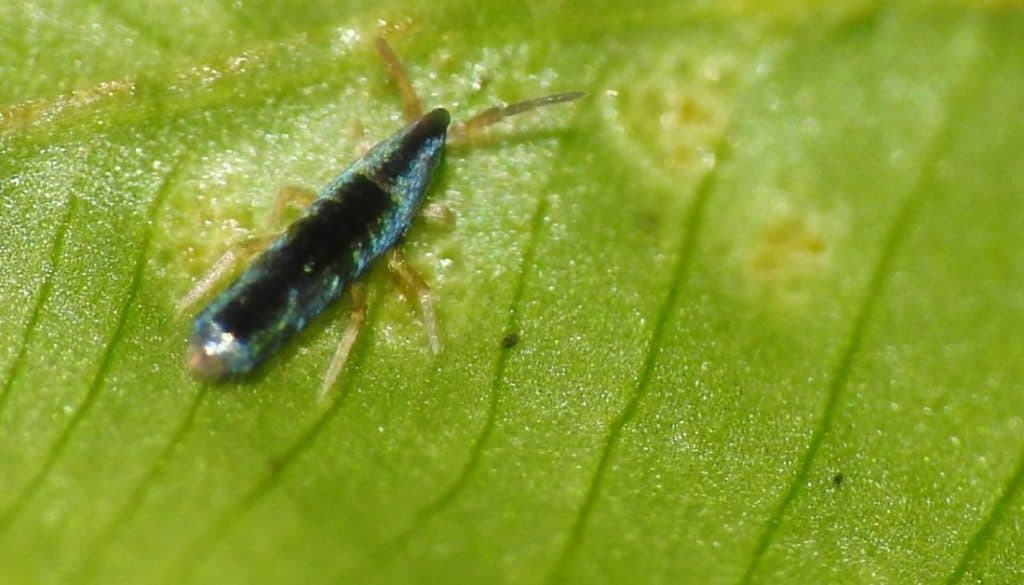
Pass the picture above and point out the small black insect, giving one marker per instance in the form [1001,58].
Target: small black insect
[356,219]
[510,340]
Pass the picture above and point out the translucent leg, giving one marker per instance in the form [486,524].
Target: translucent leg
[438,215]
[356,319]
[289,196]
[413,285]
[286,197]
[223,266]
[412,106]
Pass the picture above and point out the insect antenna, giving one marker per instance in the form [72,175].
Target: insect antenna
[466,130]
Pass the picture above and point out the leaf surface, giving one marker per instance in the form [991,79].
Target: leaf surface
[763,282]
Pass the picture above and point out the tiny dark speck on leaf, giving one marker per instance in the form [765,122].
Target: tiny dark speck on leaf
[837,479]
[510,340]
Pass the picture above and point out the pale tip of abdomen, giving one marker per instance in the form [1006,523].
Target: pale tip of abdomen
[214,354]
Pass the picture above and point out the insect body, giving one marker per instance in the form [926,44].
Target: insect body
[357,217]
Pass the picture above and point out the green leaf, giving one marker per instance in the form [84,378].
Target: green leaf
[765,280]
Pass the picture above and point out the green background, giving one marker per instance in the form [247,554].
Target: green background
[766,278]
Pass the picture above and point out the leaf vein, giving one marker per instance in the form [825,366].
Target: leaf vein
[425,514]
[57,450]
[497,380]
[1001,509]
[691,221]
[138,494]
[203,545]
[900,228]
[60,236]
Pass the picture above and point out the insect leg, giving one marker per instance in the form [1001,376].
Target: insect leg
[357,317]
[438,215]
[224,265]
[289,196]
[415,287]
[462,132]
[412,106]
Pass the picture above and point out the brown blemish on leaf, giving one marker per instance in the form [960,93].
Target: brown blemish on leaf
[690,124]
[784,257]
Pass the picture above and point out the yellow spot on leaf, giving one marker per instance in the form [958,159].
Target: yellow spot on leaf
[674,113]
[784,259]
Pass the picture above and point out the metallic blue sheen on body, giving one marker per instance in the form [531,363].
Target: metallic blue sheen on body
[355,219]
